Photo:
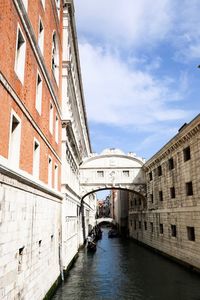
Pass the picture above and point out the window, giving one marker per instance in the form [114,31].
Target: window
[43,3]
[131,203]
[56,129]
[191,233]
[140,201]
[55,58]
[171,163]
[51,118]
[160,196]
[20,258]
[151,198]
[186,154]
[140,224]
[20,55]
[172,192]
[145,225]
[126,173]
[131,223]
[151,225]
[189,188]
[150,176]
[50,171]
[173,230]
[135,224]
[56,177]
[100,173]
[161,228]
[58,7]
[36,158]
[159,170]
[15,140]
[41,36]
[38,102]
[135,201]
[25,2]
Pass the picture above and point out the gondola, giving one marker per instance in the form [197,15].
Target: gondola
[91,247]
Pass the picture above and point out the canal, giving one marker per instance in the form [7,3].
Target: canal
[121,269]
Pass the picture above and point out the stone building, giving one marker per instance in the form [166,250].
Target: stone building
[43,134]
[75,142]
[169,219]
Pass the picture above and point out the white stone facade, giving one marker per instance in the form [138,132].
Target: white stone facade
[169,219]
[30,224]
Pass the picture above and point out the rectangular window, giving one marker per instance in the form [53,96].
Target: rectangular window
[43,3]
[131,203]
[135,201]
[135,224]
[140,201]
[151,226]
[171,163]
[189,188]
[20,55]
[36,158]
[172,192]
[100,173]
[56,176]
[126,173]
[186,153]
[145,225]
[51,118]
[15,140]
[159,170]
[41,36]
[173,230]
[58,7]
[191,233]
[140,224]
[38,102]
[56,129]
[50,171]
[161,228]
[151,198]
[131,223]
[25,2]
[160,195]
[150,176]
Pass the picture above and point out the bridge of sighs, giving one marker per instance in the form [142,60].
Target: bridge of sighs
[112,169]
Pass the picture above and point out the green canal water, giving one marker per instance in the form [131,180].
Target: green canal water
[121,269]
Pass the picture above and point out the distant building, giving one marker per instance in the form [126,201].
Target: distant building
[168,219]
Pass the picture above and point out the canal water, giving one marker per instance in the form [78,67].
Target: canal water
[123,270]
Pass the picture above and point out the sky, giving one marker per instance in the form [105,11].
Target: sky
[139,62]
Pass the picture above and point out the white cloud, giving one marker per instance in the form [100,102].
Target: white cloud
[130,23]
[142,24]
[121,96]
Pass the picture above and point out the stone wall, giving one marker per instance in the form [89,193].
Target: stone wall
[170,220]
[30,225]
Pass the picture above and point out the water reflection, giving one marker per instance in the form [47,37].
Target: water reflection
[121,269]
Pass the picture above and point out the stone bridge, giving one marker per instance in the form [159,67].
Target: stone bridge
[108,220]
[112,169]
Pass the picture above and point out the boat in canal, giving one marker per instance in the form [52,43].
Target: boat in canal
[112,233]
[91,246]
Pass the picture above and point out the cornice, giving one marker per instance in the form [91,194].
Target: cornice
[184,136]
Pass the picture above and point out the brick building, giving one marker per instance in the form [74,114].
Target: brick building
[169,219]
[40,135]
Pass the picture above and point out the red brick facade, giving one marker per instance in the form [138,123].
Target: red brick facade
[20,97]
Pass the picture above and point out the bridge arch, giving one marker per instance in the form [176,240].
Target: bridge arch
[112,169]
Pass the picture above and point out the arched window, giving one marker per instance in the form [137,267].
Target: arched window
[55,58]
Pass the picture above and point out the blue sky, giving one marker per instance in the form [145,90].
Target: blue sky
[139,68]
